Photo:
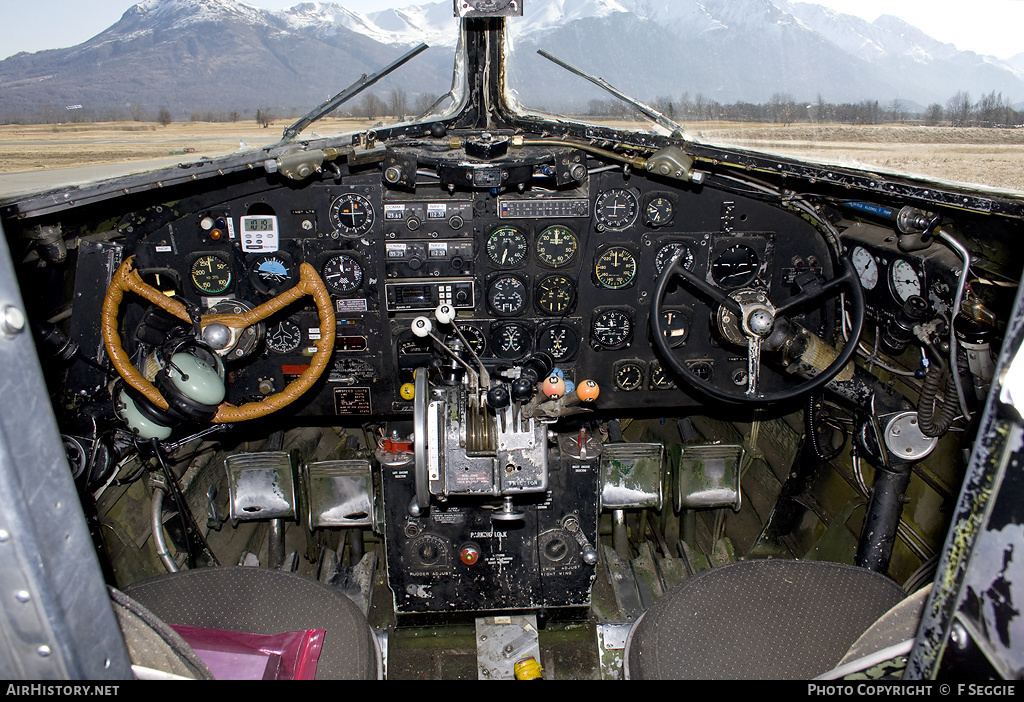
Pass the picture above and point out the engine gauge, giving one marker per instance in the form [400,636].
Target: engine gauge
[904,280]
[866,266]
[284,338]
[474,336]
[351,214]
[560,341]
[675,325]
[612,329]
[211,274]
[343,274]
[507,247]
[271,273]
[510,341]
[557,246]
[616,209]
[615,268]
[666,252]
[507,295]
[556,294]
[660,379]
[734,267]
[659,211]
[629,376]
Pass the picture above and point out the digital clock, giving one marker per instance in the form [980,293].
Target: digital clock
[259,233]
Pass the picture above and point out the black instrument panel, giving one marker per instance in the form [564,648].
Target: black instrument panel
[571,272]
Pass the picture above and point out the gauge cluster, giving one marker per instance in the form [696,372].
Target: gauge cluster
[569,272]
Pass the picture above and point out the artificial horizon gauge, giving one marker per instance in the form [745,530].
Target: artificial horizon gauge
[615,268]
[342,274]
[351,214]
[735,267]
[666,252]
[659,211]
[557,246]
[866,266]
[507,247]
[616,209]
[629,376]
[271,273]
[560,341]
[612,329]
[904,280]
[211,274]
[510,341]
[284,338]
[507,295]
[556,294]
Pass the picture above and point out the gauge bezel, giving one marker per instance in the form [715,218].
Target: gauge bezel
[494,282]
[550,329]
[523,251]
[649,200]
[748,279]
[623,342]
[551,262]
[872,263]
[894,286]
[496,347]
[258,282]
[689,262]
[639,366]
[617,222]
[344,229]
[279,325]
[219,256]
[599,256]
[676,342]
[347,290]
[539,295]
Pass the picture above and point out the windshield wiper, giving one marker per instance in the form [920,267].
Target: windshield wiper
[347,94]
[648,111]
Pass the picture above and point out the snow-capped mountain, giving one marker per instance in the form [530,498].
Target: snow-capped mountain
[195,55]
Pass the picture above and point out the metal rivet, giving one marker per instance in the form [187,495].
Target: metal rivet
[22,596]
[44,651]
[4,535]
[12,321]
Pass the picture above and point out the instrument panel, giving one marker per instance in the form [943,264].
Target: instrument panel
[570,272]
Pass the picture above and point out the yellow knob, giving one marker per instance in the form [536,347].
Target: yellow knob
[407,391]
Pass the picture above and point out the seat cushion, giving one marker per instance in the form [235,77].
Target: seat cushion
[762,619]
[262,601]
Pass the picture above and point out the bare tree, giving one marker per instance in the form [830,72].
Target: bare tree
[958,109]
[398,102]
[164,116]
[933,114]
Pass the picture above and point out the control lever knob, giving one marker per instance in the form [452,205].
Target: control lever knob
[445,314]
[522,389]
[421,327]
[498,397]
[538,366]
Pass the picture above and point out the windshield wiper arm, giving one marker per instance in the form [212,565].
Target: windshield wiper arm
[648,111]
[348,93]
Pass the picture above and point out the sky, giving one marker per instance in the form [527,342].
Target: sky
[52,24]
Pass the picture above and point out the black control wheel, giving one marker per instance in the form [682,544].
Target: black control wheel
[747,317]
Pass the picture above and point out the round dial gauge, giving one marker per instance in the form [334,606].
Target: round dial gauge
[343,274]
[560,341]
[211,274]
[660,379]
[557,246]
[615,268]
[735,266]
[675,325]
[612,329]
[629,376]
[556,294]
[507,295]
[351,214]
[904,280]
[506,247]
[510,341]
[867,267]
[665,254]
[659,211]
[474,336]
[271,273]
[616,209]
[284,338]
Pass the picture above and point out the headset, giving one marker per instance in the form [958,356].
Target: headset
[189,375]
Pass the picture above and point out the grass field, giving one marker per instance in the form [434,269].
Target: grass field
[990,157]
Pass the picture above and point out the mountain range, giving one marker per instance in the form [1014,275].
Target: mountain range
[191,56]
